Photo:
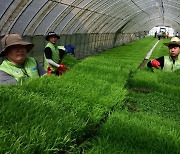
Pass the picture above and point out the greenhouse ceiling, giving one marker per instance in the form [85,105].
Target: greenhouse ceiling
[37,17]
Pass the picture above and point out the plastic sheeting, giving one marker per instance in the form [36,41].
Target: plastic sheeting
[37,17]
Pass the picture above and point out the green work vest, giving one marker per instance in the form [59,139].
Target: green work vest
[23,73]
[61,47]
[169,66]
[55,55]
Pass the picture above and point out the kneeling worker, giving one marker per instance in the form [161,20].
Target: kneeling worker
[17,68]
[168,63]
[53,55]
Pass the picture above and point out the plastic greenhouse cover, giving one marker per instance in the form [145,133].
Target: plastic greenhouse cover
[79,22]
[88,21]
[37,17]
[50,19]
[4,5]
[27,15]
[66,19]
[84,3]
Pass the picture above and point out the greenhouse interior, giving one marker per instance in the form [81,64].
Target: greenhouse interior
[113,93]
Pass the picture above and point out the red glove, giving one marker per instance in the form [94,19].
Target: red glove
[155,63]
[49,70]
[61,66]
[62,69]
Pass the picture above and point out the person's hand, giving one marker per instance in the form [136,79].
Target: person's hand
[155,63]
[49,70]
[62,67]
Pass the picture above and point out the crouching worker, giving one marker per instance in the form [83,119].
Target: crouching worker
[17,68]
[53,55]
[168,63]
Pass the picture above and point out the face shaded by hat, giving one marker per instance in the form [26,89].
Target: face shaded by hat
[50,34]
[175,41]
[11,40]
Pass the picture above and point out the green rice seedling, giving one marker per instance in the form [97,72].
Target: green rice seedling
[163,105]
[69,60]
[160,50]
[140,132]
[166,82]
[33,123]
[152,117]
[143,81]
[49,114]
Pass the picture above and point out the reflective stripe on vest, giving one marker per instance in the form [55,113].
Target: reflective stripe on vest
[21,74]
[169,66]
[62,47]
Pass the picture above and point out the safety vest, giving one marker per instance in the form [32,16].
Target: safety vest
[61,47]
[169,66]
[55,55]
[23,73]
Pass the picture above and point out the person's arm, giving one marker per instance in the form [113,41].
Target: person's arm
[160,60]
[48,55]
[50,61]
[5,78]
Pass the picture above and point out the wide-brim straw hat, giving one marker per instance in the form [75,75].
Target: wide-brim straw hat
[174,41]
[51,34]
[14,39]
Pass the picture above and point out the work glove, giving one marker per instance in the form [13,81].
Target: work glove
[62,69]
[155,63]
[49,70]
[69,49]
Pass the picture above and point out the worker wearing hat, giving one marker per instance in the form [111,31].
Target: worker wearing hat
[53,54]
[17,68]
[168,63]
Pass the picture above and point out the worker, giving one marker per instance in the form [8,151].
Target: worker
[17,67]
[155,34]
[168,63]
[167,35]
[53,54]
[159,35]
